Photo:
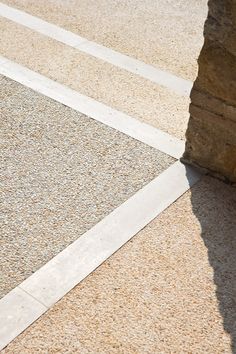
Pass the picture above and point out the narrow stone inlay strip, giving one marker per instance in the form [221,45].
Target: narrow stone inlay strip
[94,109]
[161,77]
[23,305]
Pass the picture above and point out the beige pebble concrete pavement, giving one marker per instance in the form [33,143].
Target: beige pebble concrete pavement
[117,88]
[169,290]
[172,287]
[62,172]
[151,31]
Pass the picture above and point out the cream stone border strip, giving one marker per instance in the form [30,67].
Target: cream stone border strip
[161,77]
[94,109]
[34,296]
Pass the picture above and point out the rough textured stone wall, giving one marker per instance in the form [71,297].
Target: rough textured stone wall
[211,133]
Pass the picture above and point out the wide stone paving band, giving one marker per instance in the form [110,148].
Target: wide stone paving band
[23,305]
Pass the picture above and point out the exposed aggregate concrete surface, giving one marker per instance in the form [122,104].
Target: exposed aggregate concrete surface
[117,88]
[62,172]
[171,289]
[163,33]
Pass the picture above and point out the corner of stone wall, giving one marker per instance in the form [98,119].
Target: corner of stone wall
[211,133]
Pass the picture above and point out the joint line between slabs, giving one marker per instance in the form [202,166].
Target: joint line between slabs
[33,297]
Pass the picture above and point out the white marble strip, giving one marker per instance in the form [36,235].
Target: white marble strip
[18,310]
[94,109]
[161,77]
[23,305]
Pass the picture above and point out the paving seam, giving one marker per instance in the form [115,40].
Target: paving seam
[161,77]
[118,120]
[35,295]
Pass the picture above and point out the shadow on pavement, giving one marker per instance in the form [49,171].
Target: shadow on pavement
[214,205]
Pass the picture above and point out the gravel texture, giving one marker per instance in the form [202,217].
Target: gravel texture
[95,78]
[164,33]
[171,289]
[62,172]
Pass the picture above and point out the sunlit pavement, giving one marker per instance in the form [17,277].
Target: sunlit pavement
[147,248]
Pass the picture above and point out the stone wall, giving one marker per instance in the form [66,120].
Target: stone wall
[211,133]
